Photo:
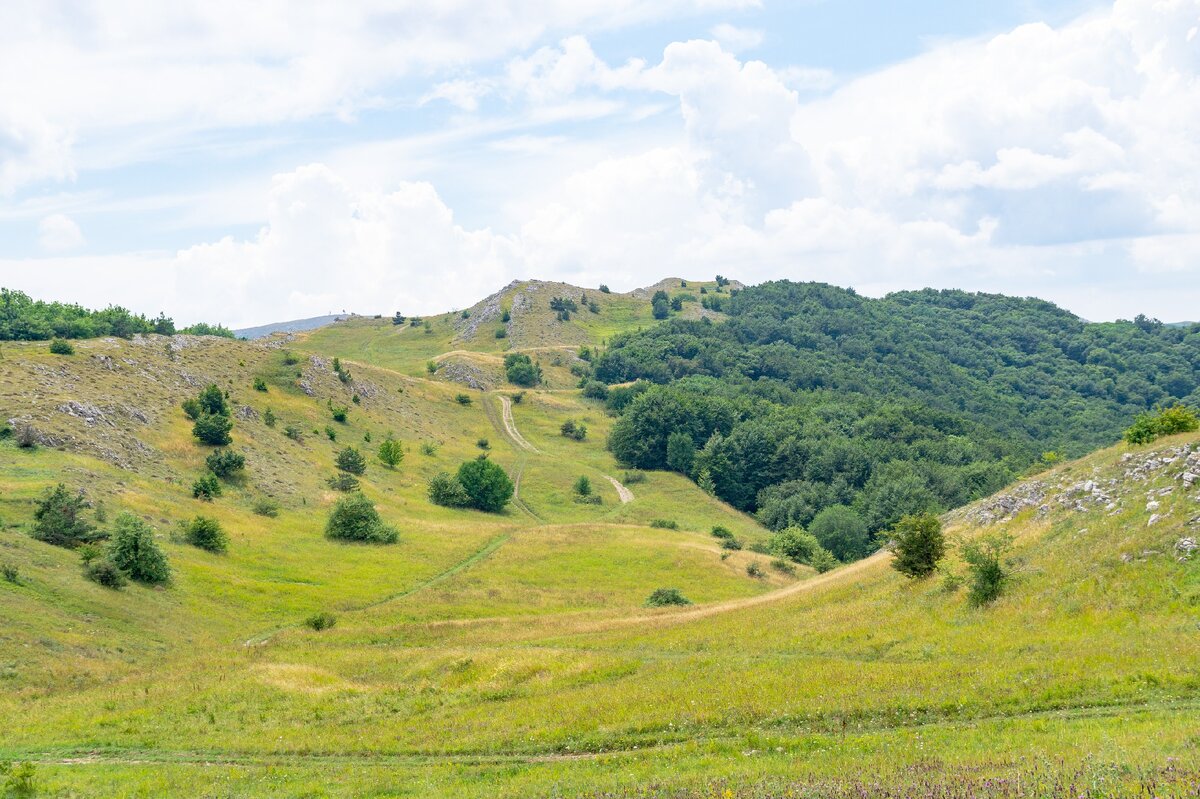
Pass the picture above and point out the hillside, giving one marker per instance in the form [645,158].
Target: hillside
[521,313]
[512,654]
[513,659]
[810,397]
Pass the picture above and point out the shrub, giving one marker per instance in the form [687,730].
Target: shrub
[26,436]
[661,308]
[340,481]
[213,429]
[225,463]
[134,551]
[58,519]
[11,573]
[583,486]
[260,384]
[483,443]
[339,413]
[486,484]
[290,358]
[517,398]
[428,448]
[521,371]
[103,571]
[633,477]
[211,400]
[1168,421]
[754,570]
[206,487]
[918,544]
[823,560]
[501,333]
[330,433]
[269,417]
[462,399]
[205,533]
[795,544]
[367,437]
[594,389]
[731,544]
[354,518]
[265,506]
[320,621]
[604,289]
[351,460]
[986,567]
[574,430]
[666,597]
[719,531]
[6,430]
[60,347]
[505,315]
[293,432]
[783,566]
[446,491]
[390,452]
[664,524]
[840,530]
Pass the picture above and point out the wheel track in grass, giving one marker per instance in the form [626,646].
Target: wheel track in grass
[135,756]
[475,557]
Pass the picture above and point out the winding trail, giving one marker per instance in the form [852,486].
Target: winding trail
[624,493]
[476,556]
[510,427]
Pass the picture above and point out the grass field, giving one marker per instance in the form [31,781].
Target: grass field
[510,654]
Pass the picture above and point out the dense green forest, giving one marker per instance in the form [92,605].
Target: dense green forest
[25,319]
[809,396]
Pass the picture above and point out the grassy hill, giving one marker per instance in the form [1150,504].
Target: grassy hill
[511,654]
[468,337]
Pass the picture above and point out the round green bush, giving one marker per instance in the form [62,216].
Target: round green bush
[354,518]
[487,484]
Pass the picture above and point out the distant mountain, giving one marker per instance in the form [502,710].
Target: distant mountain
[294,326]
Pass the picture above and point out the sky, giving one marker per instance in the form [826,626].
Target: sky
[253,162]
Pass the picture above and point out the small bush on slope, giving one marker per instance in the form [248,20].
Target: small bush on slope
[354,518]
[134,551]
[206,533]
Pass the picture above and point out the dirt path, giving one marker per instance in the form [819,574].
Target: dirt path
[510,427]
[624,493]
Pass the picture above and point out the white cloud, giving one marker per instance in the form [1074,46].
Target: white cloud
[737,39]
[59,233]
[1052,161]
[96,73]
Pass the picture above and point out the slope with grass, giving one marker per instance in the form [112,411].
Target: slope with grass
[511,654]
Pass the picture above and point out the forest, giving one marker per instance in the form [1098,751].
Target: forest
[25,319]
[810,396]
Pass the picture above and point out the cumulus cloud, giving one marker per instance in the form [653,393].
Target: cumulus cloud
[1057,161]
[97,72]
[58,233]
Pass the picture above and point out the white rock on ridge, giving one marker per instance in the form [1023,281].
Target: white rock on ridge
[1152,505]
[1154,519]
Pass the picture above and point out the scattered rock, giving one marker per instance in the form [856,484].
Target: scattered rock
[1154,519]
[1151,505]
[1184,548]
[90,414]
[246,412]
[306,387]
